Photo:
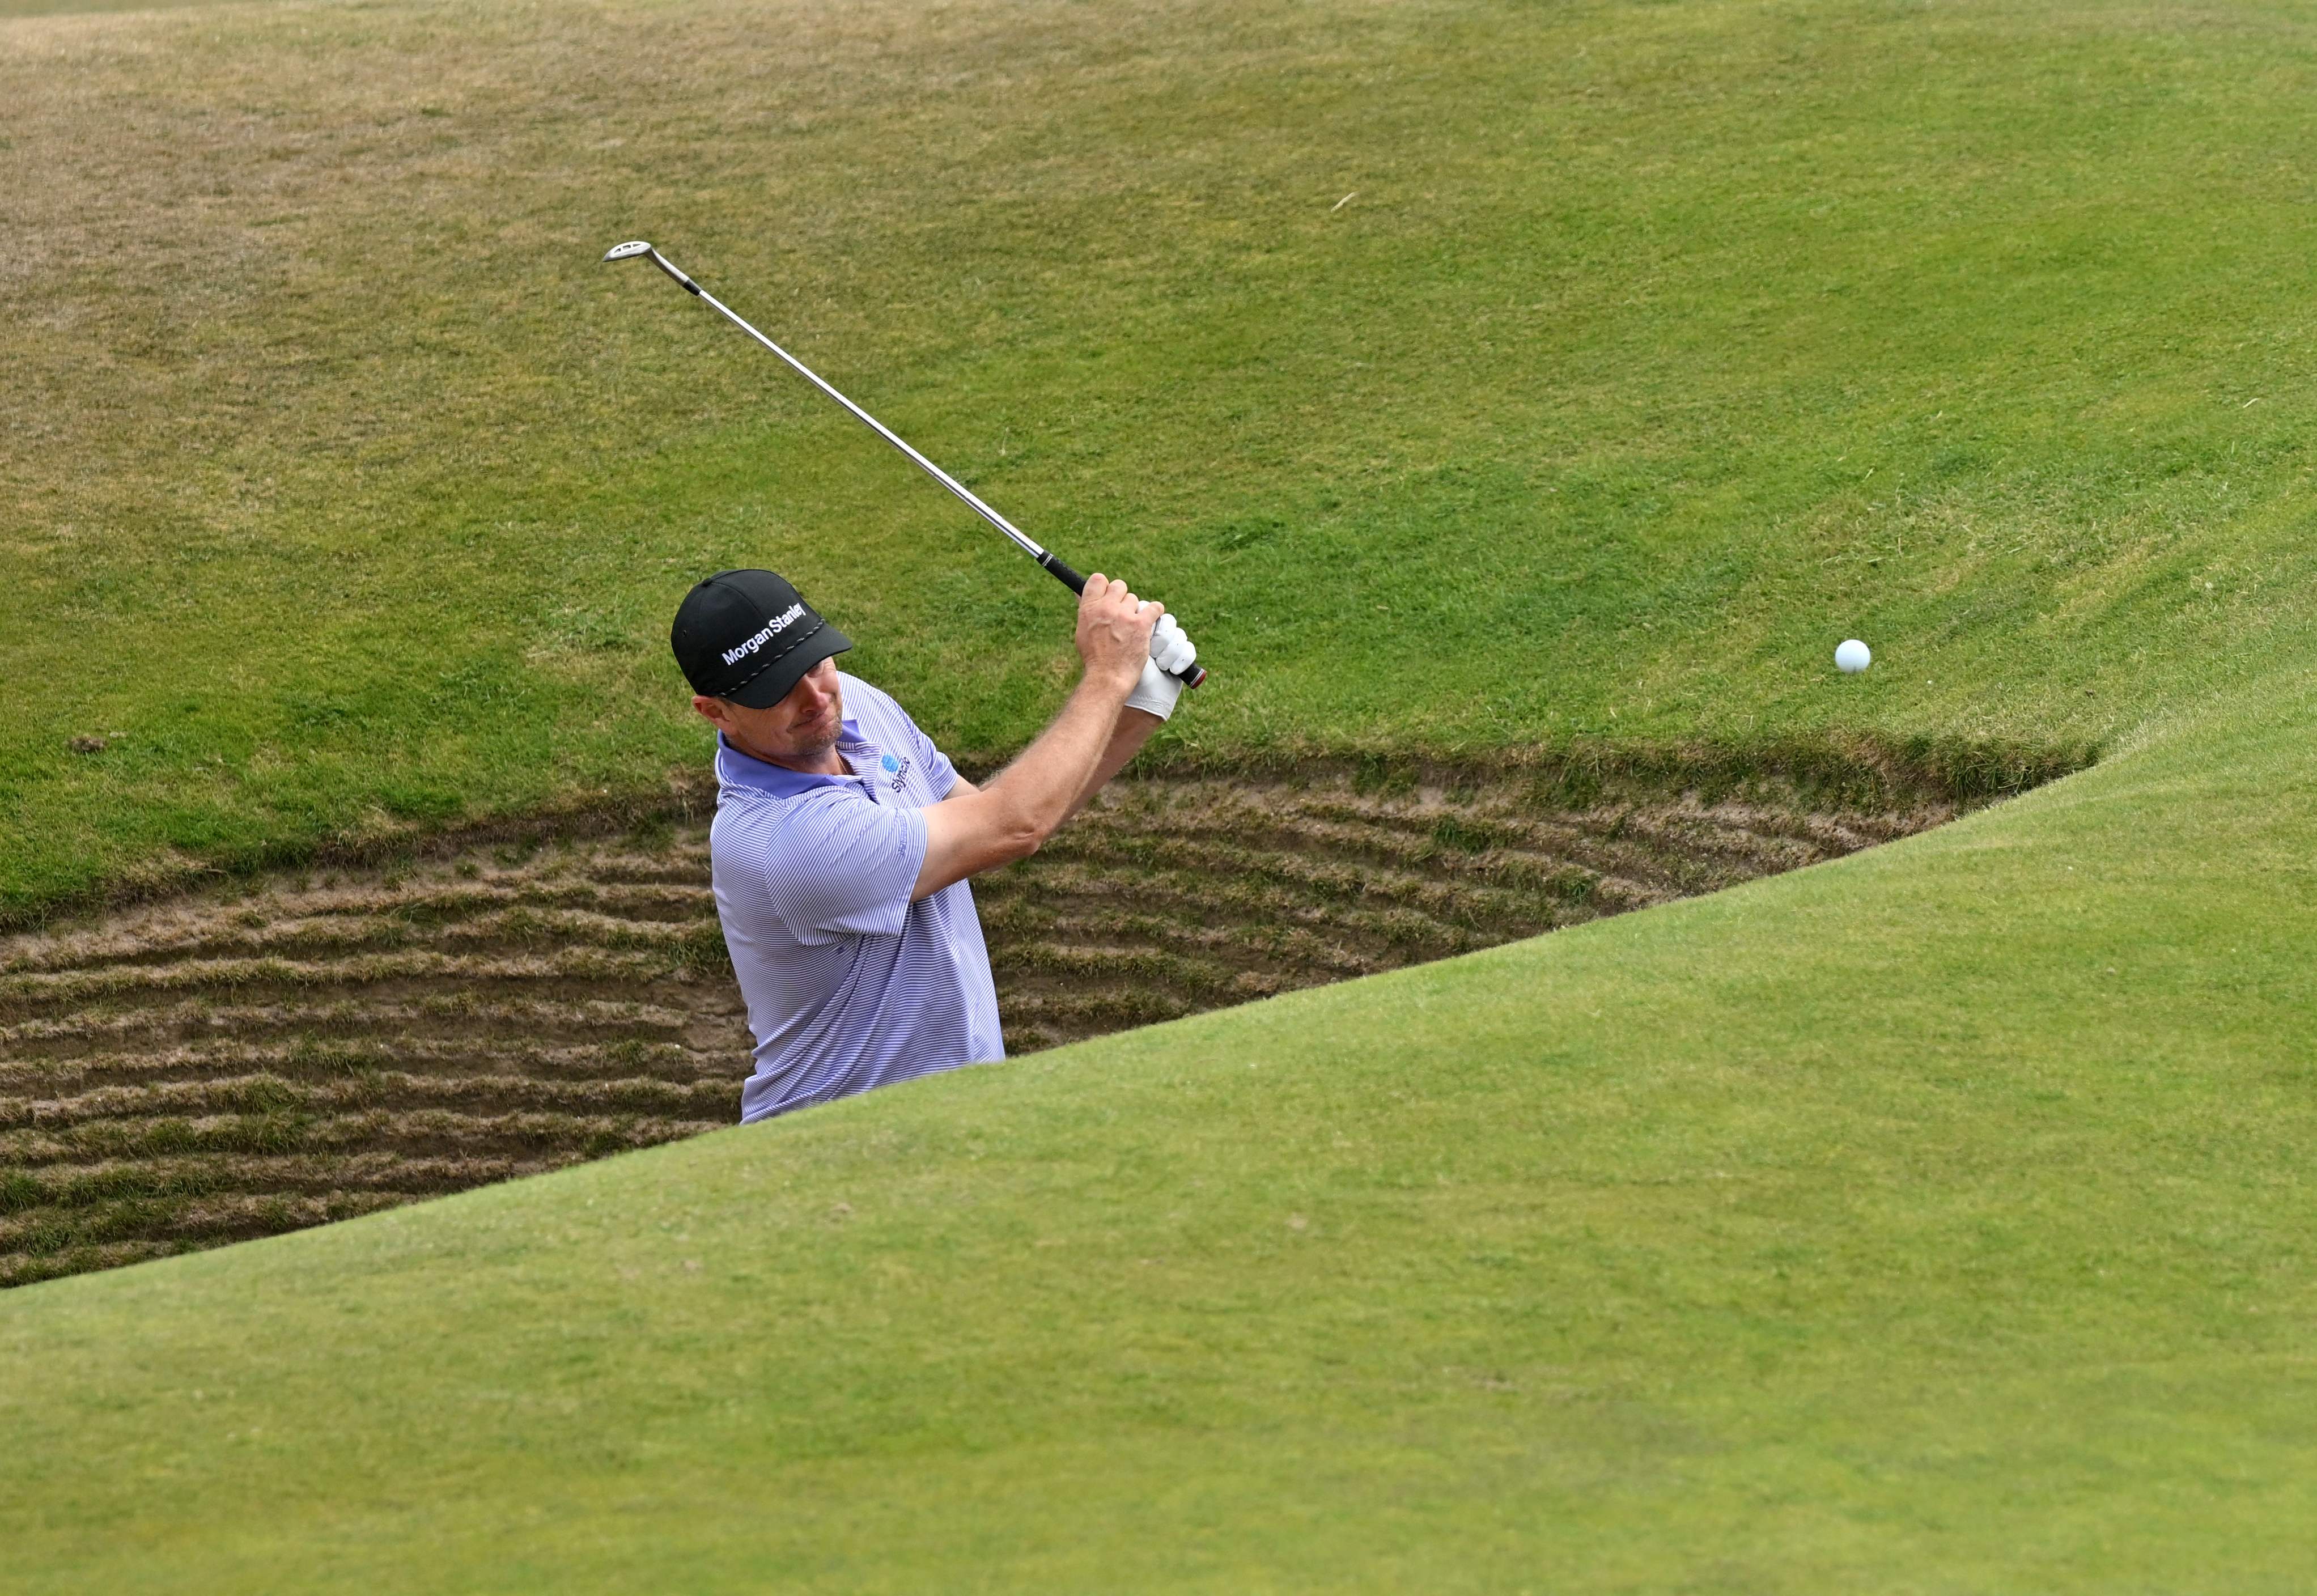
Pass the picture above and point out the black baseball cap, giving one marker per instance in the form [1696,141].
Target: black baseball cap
[747,635]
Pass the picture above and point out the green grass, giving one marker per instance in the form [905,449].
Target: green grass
[1933,1220]
[1659,349]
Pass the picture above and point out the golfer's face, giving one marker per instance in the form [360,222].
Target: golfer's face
[806,721]
[803,726]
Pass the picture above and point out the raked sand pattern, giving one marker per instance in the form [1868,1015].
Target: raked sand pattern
[283,1051]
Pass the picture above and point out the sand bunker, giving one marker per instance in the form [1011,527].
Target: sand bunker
[283,1051]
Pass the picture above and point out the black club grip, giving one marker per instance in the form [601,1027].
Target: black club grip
[1076,584]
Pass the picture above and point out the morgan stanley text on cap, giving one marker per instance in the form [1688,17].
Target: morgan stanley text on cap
[747,636]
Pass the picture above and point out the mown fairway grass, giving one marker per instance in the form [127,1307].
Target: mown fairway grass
[1657,349]
[1937,1220]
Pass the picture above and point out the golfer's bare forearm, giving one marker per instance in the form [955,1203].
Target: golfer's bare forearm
[1133,730]
[1044,786]
[1024,803]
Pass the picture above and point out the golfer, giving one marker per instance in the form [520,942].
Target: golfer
[844,839]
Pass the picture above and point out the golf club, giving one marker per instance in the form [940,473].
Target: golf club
[1191,675]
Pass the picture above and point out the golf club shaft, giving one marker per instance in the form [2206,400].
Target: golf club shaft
[1069,578]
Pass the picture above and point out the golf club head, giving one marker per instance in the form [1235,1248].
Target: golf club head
[641,249]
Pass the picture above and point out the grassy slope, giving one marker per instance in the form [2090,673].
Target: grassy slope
[1937,1220]
[1856,1229]
[1659,349]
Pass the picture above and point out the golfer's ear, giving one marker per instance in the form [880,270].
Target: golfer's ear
[714,708]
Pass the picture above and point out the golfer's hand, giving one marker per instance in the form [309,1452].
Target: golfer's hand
[1171,652]
[1113,635]
[1171,648]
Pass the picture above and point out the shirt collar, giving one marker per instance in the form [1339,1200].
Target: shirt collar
[736,769]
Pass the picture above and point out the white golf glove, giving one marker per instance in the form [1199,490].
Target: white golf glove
[1170,651]
[1169,647]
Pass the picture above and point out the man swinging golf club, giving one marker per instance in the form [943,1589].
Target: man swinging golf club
[844,838]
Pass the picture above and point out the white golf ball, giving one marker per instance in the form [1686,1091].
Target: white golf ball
[1852,657]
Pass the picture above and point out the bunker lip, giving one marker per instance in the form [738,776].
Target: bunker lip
[1840,771]
[280,1049]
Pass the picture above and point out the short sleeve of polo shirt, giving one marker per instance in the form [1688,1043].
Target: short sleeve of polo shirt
[849,866]
[941,775]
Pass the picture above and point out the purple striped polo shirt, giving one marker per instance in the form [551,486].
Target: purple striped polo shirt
[849,984]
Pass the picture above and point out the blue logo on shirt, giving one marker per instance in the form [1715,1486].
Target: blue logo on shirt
[891,763]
